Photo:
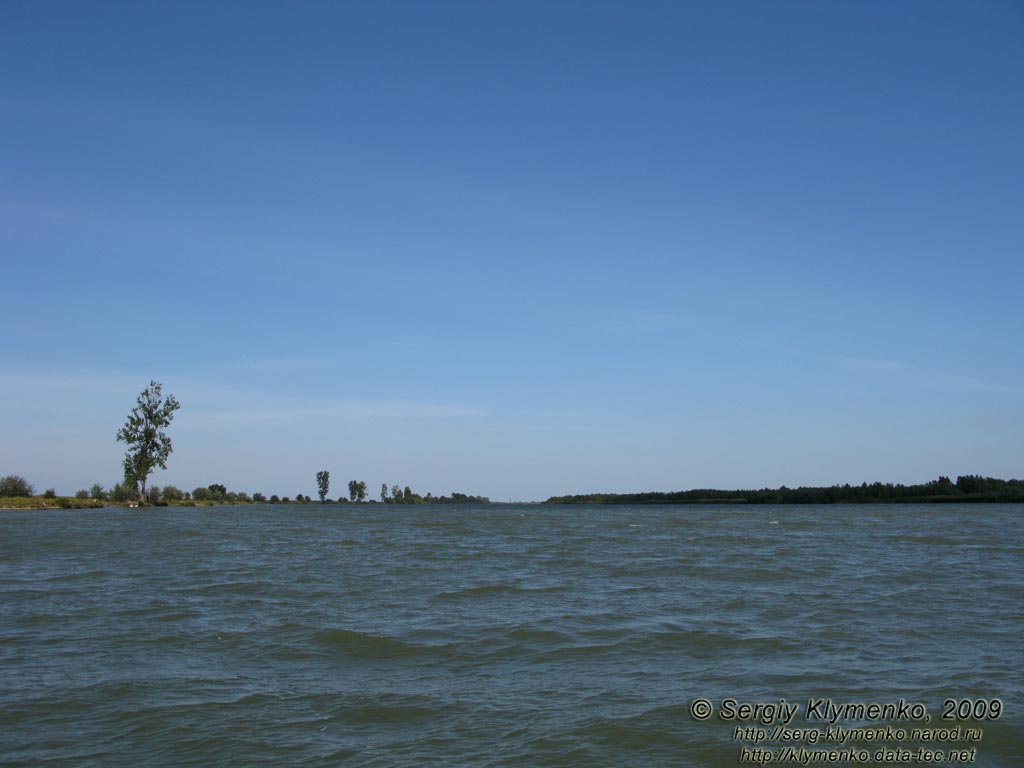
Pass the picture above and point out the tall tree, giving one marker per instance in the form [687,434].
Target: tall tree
[384,492]
[148,445]
[323,483]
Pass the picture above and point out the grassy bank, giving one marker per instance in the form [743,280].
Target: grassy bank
[70,502]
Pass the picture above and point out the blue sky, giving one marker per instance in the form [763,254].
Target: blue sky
[514,249]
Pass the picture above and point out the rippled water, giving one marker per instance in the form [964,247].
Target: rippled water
[489,636]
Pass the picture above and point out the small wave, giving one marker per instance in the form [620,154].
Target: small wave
[363,645]
[534,635]
[487,590]
[398,708]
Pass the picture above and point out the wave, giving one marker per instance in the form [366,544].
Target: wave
[363,645]
[486,590]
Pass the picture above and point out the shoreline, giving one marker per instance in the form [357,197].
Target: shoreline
[65,503]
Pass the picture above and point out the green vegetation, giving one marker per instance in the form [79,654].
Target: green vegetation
[323,483]
[148,445]
[15,485]
[407,496]
[40,502]
[968,488]
[356,490]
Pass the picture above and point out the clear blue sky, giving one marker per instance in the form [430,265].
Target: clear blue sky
[514,249]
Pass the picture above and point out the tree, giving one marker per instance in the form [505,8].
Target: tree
[323,483]
[148,445]
[218,491]
[97,492]
[82,494]
[357,490]
[121,492]
[201,494]
[275,499]
[396,494]
[384,492]
[15,485]
[172,493]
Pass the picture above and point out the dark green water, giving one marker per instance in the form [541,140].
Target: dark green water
[493,636]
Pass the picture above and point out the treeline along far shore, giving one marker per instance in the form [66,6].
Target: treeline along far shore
[149,448]
[15,492]
[967,488]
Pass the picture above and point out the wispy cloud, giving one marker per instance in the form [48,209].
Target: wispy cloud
[966,384]
[637,323]
[923,377]
[279,364]
[277,411]
[76,390]
[871,364]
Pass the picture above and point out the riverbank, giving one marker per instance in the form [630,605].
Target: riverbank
[71,502]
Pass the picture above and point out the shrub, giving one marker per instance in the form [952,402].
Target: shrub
[83,494]
[172,493]
[121,492]
[15,485]
[49,493]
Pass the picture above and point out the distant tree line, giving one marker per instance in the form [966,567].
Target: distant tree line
[357,493]
[149,447]
[14,486]
[408,496]
[967,488]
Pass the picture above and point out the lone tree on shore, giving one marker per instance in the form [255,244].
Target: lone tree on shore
[148,445]
[323,483]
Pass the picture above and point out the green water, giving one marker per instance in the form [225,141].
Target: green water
[496,635]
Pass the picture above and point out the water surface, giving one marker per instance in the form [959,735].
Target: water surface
[489,635]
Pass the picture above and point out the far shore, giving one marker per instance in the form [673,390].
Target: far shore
[72,502]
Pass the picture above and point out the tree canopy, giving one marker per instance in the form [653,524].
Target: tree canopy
[323,483]
[15,485]
[148,445]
